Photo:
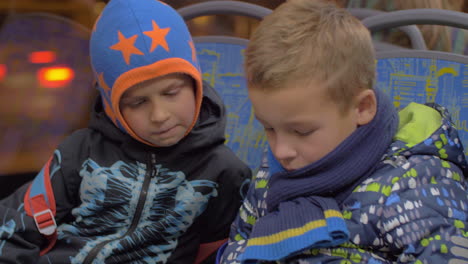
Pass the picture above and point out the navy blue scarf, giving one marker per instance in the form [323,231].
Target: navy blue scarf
[303,205]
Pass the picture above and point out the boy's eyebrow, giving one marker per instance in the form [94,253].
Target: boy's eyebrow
[126,96]
[300,123]
[173,85]
[309,123]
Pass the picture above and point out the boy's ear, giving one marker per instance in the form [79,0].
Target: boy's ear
[366,106]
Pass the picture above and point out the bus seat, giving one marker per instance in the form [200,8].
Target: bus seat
[221,61]
[425,76]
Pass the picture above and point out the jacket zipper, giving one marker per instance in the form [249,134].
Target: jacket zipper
[136,218]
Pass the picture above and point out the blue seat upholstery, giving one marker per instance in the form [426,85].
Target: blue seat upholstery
[427,76]
[221,60]
[424,76]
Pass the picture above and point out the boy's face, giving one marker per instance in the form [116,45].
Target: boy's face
[302,125]
[160,110]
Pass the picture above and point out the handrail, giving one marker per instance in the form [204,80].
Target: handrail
[224,8]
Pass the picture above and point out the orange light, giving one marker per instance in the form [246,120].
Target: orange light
[3,71]
[55,77]
[42,57]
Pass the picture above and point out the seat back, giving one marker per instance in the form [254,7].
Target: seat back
[221,60]
[425,76]
[418,16]
[412,31]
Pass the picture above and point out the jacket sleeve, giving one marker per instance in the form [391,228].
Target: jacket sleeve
[413,213]
[222,209]
[212,226]
[20,240]
[246,217]
[429,204]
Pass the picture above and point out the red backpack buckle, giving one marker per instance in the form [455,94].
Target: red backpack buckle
[45,222]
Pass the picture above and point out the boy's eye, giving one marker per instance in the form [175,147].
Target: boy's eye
[172,92]
[303,133]
[135,103]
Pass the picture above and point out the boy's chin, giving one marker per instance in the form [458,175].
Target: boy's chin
[166,143]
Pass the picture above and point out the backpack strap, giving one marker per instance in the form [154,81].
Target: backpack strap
[39,203]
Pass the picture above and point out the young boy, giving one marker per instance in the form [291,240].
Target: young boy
[346,179]
[150,179]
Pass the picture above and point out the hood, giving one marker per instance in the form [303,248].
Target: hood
[428,130]
[207,131]
[136,40]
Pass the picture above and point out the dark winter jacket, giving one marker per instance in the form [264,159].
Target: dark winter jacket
[125,202]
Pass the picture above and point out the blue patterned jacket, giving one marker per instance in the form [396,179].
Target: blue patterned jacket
[413,209]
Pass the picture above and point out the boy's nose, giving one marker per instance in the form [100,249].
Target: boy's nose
[159,115]
[283,151]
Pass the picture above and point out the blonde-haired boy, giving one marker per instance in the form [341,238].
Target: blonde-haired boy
[346,178]
[150,179]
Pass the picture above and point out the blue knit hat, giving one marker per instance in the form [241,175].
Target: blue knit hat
[138,40]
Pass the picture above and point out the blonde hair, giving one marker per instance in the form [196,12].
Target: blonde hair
[311,40]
